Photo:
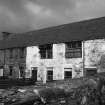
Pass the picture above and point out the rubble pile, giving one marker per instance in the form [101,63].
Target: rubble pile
[83,95]
[80,92]
[14,95]
[86,94]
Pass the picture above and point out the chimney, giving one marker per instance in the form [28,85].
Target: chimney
[5,35]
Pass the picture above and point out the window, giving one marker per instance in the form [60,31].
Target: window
[73,49]
[67,74]
[46,51]
[22,52]
[11,70]
[91,71]
[49,73]
[22,72]
[11,53]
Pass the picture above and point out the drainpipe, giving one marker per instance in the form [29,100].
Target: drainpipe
[83,50]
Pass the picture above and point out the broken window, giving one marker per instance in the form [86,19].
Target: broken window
[46,51]
[49,73]
[22,52]
[73,49]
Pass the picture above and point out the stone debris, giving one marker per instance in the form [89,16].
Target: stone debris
[13,95]
[79,92]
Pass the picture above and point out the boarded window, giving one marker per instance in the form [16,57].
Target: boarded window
[49,73]
[73,49]
[91,71]
[46,51]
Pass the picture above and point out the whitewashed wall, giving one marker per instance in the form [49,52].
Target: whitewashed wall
[94,52]
[58,63]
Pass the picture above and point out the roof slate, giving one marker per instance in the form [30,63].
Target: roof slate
[83,30]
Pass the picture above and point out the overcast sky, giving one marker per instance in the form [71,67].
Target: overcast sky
[26,15]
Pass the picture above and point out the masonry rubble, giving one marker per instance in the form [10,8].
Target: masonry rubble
[78,91]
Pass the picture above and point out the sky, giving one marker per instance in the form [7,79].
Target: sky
[19,16]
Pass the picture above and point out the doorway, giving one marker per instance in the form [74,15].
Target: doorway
[34,73]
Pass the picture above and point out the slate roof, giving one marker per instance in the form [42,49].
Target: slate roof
[83,30]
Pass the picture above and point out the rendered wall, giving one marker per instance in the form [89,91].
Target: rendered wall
[94,57]
[95,54]
[58,63]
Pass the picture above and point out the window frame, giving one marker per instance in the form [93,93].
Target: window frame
[67,77]
[73,49]
[50,73]
[46,51]
[22,71]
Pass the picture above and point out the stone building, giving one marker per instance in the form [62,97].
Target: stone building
[67,51]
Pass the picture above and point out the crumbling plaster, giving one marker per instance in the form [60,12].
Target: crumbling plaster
[58,62]
[94,50]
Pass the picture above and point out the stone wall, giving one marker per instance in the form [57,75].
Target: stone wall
[1,57]
[15,61]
